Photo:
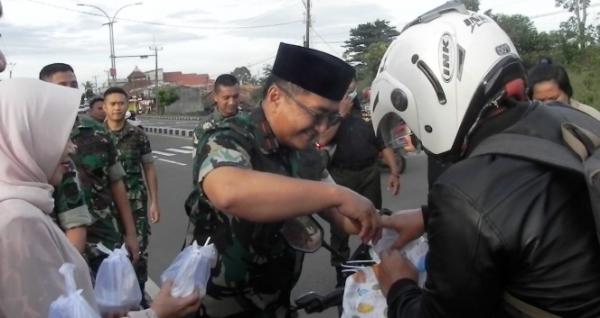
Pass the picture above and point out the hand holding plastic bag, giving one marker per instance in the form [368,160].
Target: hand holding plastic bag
[191,270]
[117,288]
[71,304]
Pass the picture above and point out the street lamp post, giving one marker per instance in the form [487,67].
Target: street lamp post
[111,36]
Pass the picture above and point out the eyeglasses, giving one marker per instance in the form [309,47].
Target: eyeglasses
[328,118]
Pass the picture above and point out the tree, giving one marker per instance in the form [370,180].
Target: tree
[521,30]
[167,96]
[243,75]
[365,35]
[88,89]
[472,5]
[372,58]
[577,24]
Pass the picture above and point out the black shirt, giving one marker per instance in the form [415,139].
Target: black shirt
[357,145]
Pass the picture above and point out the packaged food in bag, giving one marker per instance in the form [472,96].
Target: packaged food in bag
[71,304]
[362,295]
[117,288]
[415,251]
[191,270]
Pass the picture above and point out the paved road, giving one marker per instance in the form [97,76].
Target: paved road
[173,161]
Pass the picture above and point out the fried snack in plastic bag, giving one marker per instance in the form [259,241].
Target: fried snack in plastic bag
[117,288]
[191,270]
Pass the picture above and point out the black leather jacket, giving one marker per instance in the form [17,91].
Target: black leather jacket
[498,224]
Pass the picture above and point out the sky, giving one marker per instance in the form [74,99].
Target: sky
[202,36]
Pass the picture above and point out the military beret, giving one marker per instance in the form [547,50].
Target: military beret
[315,71]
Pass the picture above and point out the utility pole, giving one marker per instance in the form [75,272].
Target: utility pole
[307,35]
[96,84]
[12,65]
[156,48]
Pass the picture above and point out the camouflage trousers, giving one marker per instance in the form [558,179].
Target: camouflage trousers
[142,228]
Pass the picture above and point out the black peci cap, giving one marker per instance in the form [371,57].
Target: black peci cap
[315,71]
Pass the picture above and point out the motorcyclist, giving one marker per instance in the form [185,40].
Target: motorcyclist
[505,233]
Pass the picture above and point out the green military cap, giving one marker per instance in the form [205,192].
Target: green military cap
[315,71]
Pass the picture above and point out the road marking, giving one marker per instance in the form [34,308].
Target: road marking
[179,150]
[171,161]
[168,154]
[188,147]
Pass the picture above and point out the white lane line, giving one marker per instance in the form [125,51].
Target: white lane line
[173,162]
[188,147]
[168,154]
[179,150]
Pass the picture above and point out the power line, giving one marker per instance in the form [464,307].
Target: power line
[162,24]
[324,41]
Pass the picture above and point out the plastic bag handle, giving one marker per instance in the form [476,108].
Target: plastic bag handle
[67,270]
[103,248]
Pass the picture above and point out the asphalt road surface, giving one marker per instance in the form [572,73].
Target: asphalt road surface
[183,124]
[173,161]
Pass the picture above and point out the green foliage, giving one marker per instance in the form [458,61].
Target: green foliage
[472,5]
[242,74]
[366,34]
[167,96]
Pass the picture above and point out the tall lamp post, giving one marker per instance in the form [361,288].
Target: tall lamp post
[111,36]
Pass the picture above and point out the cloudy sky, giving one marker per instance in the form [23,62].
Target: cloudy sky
[203,36]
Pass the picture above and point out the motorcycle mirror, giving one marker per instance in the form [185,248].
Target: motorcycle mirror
[303,234]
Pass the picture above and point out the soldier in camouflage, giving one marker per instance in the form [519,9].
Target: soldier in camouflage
[246,186]
[135,155]
[101,179]
[70,212]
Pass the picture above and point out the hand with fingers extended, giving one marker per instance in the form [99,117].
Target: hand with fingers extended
[360,212]
[409,224]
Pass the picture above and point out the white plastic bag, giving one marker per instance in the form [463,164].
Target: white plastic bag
[415,251]
[117,288]
[191,270]
[71,304]
[363,297]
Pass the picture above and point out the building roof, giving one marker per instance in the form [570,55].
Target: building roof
[190,79]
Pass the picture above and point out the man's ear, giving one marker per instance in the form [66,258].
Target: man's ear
[274,95]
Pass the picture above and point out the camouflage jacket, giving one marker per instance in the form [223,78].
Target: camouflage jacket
[70,210]
[255,261]
[133,148]
[205,125]
[96,160]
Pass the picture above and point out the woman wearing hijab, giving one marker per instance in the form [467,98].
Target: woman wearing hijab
[35,121]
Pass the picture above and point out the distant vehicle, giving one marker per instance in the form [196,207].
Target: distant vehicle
[83,108]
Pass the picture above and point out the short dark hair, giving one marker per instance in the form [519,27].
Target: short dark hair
[96,99]
[115,90]
[50,69]
[549,72]
[227,80]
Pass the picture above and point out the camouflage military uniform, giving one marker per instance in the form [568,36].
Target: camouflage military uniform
[96,159]
[70,210]
[133,149]
[256,269]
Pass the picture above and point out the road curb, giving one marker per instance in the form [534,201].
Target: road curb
[169,131]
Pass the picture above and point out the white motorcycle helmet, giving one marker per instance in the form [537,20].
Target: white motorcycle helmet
[439,74]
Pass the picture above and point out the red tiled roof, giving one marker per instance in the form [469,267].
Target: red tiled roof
[187,79]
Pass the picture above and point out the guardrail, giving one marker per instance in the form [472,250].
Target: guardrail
[172,117]
[169,131]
